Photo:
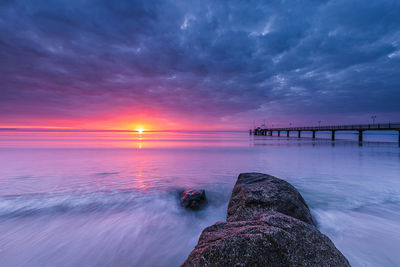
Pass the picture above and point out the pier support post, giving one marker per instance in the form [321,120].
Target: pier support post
[333,135]
[399,138]
[360,137]
[279,133]
[287,133]
[270,133]
[250,132]
[313,134]
[299,134]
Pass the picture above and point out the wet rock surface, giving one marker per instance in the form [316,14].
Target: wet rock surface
[193,199]
[274,239]
[268,224]
[257,193]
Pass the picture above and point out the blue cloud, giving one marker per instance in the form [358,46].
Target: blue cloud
[200,58]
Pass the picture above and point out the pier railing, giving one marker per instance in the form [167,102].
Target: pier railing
[352,127]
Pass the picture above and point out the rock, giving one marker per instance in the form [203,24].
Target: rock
[193,199]
[271,239]
[269,224]
[255,194]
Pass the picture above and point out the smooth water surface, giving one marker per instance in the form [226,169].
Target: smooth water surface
[110,199]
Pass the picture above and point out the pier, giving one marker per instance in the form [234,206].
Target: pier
[360,128]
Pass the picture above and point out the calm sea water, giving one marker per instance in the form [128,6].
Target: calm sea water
[110,199]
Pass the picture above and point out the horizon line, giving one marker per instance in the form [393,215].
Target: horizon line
[105,130]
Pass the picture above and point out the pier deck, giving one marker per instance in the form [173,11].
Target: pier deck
[360,128]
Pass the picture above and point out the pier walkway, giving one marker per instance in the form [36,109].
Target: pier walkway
[360,128]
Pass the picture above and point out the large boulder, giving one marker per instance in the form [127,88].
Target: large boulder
[193,199]
[272,239]
[257,193]
[269,224]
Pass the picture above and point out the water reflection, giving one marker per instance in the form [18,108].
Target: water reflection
[99,199]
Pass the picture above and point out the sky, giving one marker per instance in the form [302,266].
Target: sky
[165,65]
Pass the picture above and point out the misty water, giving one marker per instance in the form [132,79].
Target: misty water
[111,199]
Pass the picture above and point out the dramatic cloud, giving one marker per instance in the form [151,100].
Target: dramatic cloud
[204,62]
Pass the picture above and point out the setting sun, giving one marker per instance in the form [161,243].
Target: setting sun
[140,130]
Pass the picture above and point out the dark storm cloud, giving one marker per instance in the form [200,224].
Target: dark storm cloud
[73,59]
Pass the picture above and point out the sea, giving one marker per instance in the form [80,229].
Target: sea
[112,198]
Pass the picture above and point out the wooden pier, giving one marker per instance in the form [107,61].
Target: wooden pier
[360,128]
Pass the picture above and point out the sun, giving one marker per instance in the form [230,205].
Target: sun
[140,130]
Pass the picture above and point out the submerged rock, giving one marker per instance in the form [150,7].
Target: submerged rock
[273,239]
[193,199]
[257,193]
